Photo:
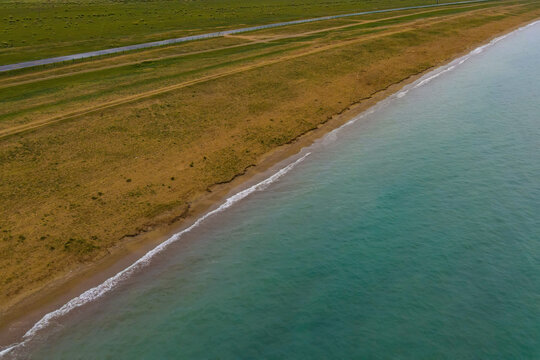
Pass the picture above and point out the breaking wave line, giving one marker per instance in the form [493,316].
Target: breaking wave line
[452,65]
[109,284]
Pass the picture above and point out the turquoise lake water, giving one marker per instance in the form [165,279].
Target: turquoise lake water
[412,233]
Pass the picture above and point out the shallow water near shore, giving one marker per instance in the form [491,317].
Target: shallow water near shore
[413,232]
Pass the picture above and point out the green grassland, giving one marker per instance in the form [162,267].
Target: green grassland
[165,68]
[38,29]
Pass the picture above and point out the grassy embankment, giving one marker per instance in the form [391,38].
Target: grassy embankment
[33,29]
[117,145]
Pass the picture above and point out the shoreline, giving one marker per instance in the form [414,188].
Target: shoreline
[19,317]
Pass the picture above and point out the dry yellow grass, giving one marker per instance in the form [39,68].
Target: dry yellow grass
[73,188]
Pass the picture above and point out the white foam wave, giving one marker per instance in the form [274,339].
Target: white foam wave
[109,284]
[433,75]
[402,93]
[436,75]
[331,136]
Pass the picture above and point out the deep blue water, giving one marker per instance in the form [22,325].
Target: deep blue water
[413,233]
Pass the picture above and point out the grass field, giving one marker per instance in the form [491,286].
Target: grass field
[33,29]
[92,152]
